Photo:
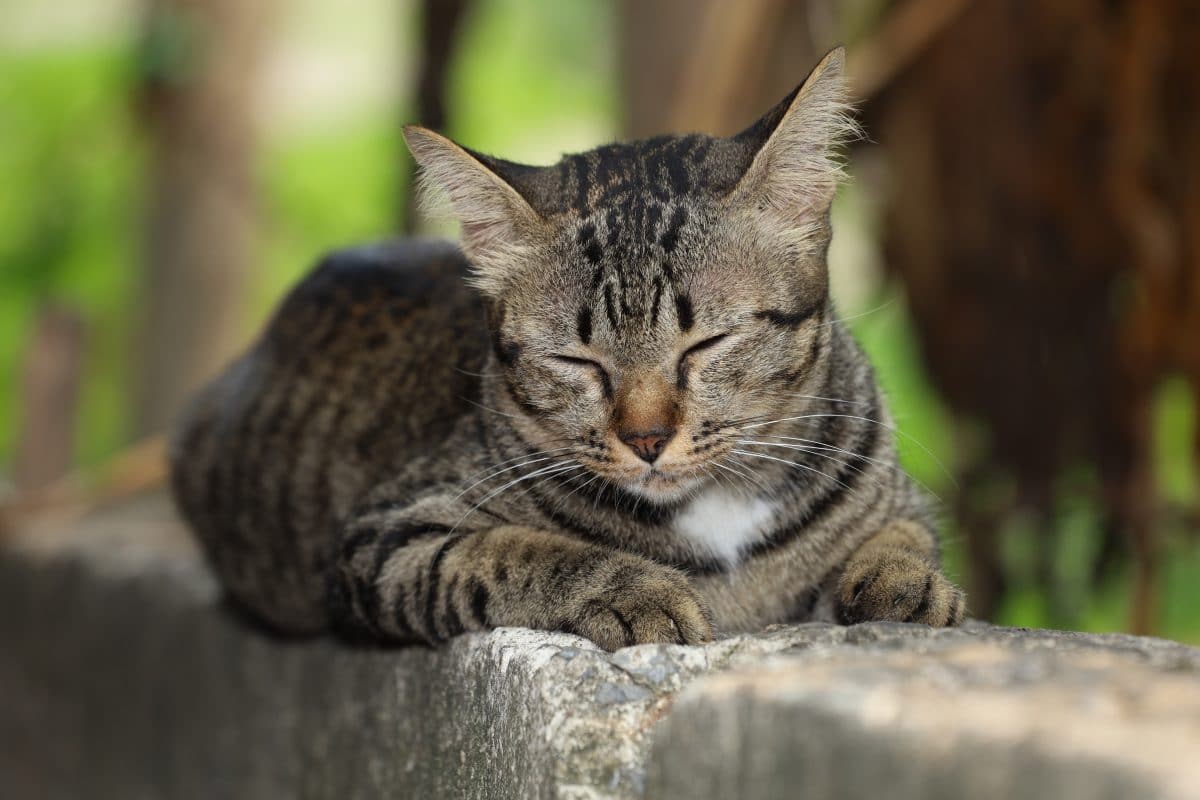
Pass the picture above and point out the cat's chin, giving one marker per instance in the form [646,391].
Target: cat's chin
[662,487]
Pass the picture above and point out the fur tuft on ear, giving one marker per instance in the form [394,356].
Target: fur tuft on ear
[498,225]
[796,172]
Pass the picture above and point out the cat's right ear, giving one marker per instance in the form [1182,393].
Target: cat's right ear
[498,224]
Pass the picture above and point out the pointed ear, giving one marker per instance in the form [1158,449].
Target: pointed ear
[498,225]
[795,172]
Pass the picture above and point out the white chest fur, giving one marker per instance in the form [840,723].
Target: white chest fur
[721,524]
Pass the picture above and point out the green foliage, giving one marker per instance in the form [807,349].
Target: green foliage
[68,162]
[534,78]
[323,191]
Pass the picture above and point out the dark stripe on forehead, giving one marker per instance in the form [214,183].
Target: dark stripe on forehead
[653,218]
[583,325]
[605,384]
[609,307]
[591,248]
[683,311]
[657,301]
[580,168]
[610,221]
[670,237]
[681,182]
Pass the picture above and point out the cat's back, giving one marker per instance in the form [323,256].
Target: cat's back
[387,336]
[368,361]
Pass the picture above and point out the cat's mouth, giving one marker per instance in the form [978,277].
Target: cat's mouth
[665,485]
[659,482]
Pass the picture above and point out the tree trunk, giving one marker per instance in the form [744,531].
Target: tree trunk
[50,381]
[440,22]
[200,65]
[714,66]
[1045,165]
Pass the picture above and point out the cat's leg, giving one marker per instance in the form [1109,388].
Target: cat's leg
[410,575]
[895,575]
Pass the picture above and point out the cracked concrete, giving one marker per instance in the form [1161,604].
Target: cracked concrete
[121,676]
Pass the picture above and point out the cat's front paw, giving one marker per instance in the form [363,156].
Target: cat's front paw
[637,602]
[896,585]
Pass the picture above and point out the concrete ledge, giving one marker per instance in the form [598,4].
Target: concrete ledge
[991,713]
[121,678]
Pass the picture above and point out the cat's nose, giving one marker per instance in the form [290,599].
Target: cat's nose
[648,444]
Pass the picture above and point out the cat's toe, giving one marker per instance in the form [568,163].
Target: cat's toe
[899,586]
[644,606]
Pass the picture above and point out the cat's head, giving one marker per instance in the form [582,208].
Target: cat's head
[647,299]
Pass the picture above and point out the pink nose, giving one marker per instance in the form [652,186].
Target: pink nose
[648,444]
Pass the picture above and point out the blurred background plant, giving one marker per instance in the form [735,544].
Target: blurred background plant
[1018,248]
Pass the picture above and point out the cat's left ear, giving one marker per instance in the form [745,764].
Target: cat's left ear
[498,223]
[795,171]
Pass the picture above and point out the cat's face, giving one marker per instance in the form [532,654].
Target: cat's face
[647,301]
[649,362]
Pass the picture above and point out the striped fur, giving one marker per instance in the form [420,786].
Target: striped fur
[646,424]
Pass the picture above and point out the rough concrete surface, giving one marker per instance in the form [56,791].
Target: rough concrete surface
[121,676]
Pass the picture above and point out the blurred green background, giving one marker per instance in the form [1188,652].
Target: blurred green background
[529,80]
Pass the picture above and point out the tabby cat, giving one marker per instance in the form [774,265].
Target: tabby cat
[645,423]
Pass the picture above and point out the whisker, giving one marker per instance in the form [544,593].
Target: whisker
[545,456]
[832,399]
[553,469]
[814,447]
[596,496]
[746,478]
[863,456]
[488,408]
[562,500]
[472,374]
[863,314]
[884,425]
[717,477]
[530,454]
[541,481]
[738,481]
[814,451]
[791,464]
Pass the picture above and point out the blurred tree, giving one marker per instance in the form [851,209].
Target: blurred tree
[440,21]
[199,65]
[713,66]
[1046,199]
[50,382]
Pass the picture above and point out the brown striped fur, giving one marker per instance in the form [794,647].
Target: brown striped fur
[647,423]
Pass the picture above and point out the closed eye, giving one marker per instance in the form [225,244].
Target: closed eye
[711,341]
[580,362]
[681,371]
[595,366]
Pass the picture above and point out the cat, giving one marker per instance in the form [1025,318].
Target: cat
[624,408]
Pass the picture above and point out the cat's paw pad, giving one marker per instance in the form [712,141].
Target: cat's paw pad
[641,604]
[898,586]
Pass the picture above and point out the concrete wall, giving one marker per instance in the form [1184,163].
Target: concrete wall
[122,676]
